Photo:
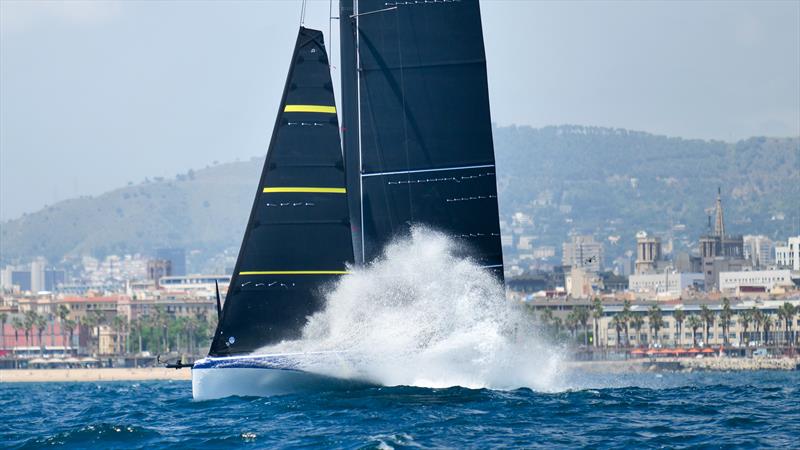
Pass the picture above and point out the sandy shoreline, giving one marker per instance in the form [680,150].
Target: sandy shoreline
[623,366]
[140,374]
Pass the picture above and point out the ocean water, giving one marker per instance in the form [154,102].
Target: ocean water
[694,410]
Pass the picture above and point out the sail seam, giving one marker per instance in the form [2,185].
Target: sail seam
[401,172]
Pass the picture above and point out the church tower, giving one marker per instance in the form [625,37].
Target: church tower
[719,223]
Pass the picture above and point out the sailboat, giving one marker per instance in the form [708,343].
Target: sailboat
[415,148]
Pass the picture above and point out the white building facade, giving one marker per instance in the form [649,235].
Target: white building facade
[788,256]
[665,283]
[767,279]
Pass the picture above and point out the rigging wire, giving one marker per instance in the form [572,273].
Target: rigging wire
[303,13]
[330,36]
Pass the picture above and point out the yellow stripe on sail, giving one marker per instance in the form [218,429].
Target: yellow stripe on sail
[310,108]
[296,272]
[321,190]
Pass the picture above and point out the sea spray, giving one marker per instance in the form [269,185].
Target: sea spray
[422,316]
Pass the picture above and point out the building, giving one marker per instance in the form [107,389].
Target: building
[665,283]
[720,252]
[53,279]
[583,252]
[37,275]
[739,334]
[582,282]
[766,280]
[176,258]
[788,256]
[158,268]
[648,253]
[194,282]
[21,279]
[759,250]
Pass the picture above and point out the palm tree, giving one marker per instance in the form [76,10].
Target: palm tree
[118,325]
[557,324]
[18,325]
[30,322]
[680,316]
[597,314]
[708,318]
[786,314]
[725,316]
[69,326]
[582,316]
[758,320]
[617,321]
[63,314]
[626,315]
[745,318]
[638,322]
[546,317]
[694,323]
[3,319]
[767,325]
[572,323]
[41,325]
[656,321]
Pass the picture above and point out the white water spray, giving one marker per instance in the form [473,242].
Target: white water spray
[422,316]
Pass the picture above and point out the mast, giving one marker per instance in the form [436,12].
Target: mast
[349,117]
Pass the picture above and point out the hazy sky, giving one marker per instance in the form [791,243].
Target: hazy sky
[96,94]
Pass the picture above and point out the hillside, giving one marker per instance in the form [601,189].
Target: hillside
[569,178]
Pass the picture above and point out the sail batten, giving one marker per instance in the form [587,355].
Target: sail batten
[297,239]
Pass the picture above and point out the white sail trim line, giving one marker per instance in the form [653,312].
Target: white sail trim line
[442,169]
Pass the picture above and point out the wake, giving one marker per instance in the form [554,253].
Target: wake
[421,316]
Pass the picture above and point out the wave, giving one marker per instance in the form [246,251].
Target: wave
[423,316]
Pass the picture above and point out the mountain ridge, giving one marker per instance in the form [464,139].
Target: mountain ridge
[569,178]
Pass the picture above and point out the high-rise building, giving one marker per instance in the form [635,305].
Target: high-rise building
[5,278]
[53,278]
[37,275]
[788,256]
[583,252]
[176,257]
[21,279]
[759,250]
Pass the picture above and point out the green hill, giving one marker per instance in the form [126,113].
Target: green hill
[569,178]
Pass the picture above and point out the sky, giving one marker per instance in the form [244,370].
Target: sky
[96,94]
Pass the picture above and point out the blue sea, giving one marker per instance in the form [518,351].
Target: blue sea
[697,410]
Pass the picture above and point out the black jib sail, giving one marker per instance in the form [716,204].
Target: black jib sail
[298,236]
[425,139]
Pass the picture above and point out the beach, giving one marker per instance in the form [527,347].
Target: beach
[122,374]
[622,366]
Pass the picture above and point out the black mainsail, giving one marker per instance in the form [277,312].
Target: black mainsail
[298,236]
[424,149]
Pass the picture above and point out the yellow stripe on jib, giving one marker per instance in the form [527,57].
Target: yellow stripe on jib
[321,190]
[310,108]
[296,272]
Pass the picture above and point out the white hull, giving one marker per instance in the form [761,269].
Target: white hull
[258,376]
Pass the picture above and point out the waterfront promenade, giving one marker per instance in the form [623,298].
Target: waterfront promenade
[108,374]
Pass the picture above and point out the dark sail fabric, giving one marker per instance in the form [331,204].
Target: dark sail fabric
[426,148]
[298,237]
